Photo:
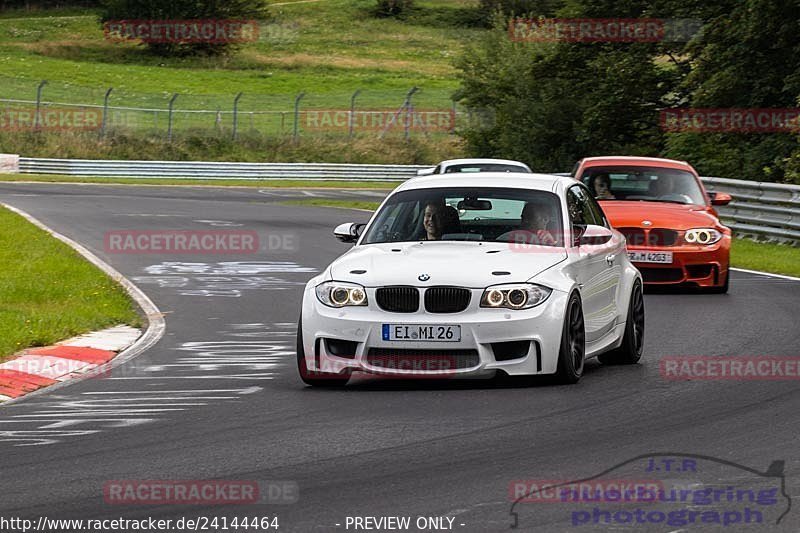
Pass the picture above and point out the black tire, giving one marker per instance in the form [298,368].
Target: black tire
[722,289]
[573,343]
[630,351]
[315,378]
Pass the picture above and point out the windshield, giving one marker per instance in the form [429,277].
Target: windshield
[485,167]
[643,183]
[469,214]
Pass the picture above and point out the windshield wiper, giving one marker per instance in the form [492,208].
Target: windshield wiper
[654,200]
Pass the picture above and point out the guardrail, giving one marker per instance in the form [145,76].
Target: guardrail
[761,210]
[217,170]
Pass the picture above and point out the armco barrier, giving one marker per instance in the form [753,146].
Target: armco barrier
[768,211]
[217,170]
[761,210]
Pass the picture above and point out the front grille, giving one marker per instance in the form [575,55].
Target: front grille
[398,299]
[661,275]
[633,236]
[411,360]
[662,237]
[447,299]
[650,237]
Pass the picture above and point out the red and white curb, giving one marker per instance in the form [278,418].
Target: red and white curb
[36,368]
[45,369]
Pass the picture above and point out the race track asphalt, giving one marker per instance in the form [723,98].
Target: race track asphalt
[219,397]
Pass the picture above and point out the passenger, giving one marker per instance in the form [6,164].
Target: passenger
[601,185]
[662,186]
[536,218]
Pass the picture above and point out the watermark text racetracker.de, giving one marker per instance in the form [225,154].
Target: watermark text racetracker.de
[598,30]
[209,31]
[198,242]
[731,120]
[599,490]
[421,120]
[744,368]
[50,119]
[199,492]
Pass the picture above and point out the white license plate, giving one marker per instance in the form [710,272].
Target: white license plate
[651,257]
[421,332]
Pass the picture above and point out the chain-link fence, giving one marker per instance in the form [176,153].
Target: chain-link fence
[360,112]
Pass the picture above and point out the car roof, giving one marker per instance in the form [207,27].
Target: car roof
[514,180]
[635,161]
[449,162]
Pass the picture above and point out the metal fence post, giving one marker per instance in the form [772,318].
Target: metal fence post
[169,126]
[352,112]
[409,110]
[105,112]
[236,115]
[37,118]
[297,114]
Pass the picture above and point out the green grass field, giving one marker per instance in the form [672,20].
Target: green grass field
[339,204]
[328,49]
[766,257]
[48,292]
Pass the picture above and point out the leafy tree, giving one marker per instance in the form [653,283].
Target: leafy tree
[393,8]
[173,10]
[555,102]
[747,57]
[520,7]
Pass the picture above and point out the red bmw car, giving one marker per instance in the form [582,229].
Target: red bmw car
[674,235]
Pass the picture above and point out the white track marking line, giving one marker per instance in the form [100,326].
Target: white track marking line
[250,390]
[781,276]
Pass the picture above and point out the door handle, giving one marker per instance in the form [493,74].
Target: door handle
[610,259]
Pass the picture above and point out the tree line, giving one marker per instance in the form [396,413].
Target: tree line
[555,101]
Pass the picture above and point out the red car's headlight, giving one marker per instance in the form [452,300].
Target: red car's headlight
[702,236]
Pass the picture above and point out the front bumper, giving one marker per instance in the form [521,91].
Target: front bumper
[700,266]
[481,330]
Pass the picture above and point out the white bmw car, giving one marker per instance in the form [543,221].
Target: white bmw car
[452,166]
[486,273]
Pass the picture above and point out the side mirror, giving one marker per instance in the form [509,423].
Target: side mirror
[348,232]
[720,198]
[595,235]
[425,171]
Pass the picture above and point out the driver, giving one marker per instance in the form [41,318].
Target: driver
[433,221]
[601,185]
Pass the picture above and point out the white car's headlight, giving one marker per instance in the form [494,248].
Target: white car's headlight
[341,294]
[514,296]
[702,236]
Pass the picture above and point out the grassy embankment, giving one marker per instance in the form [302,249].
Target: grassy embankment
[326,49]
[48,292]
